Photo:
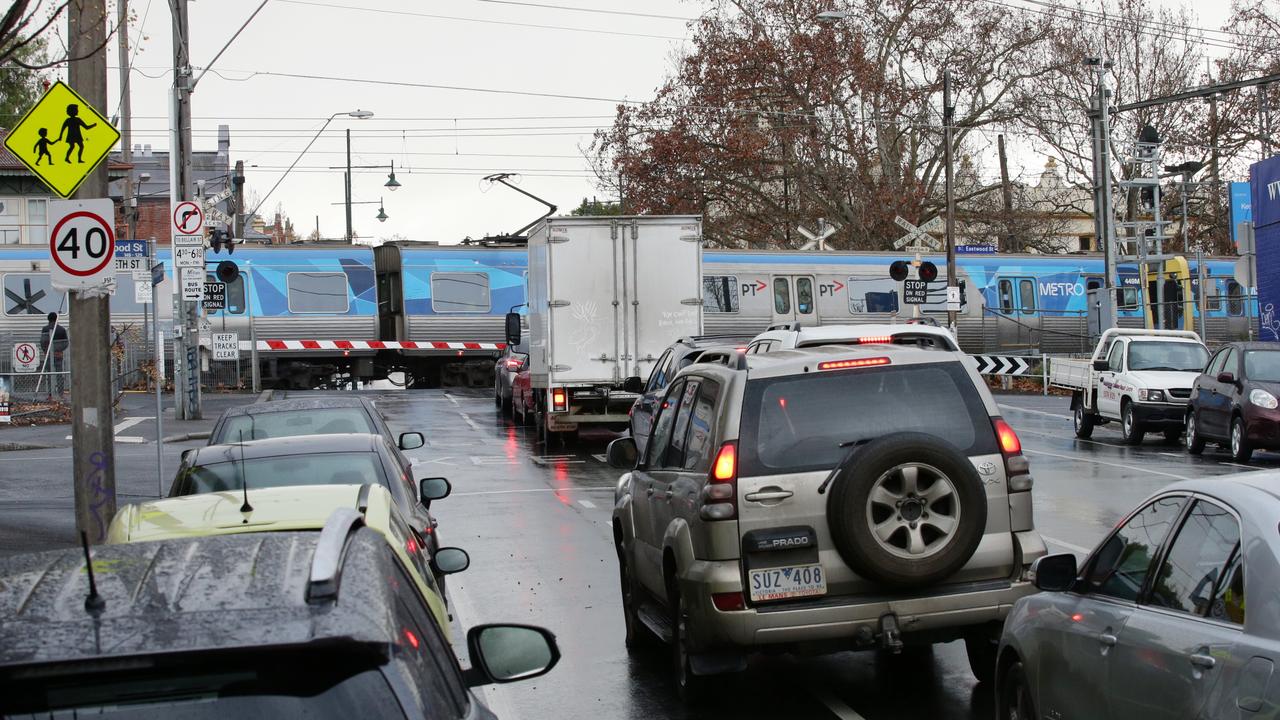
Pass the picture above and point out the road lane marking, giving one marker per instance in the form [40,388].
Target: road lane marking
[130,422]
[835,704]
[464,612]
[530,490]
[602,458]
[587,504]
[1177,455]
[1067,545]
[1033,412]
[450,398]
[1122,466]
[469,421]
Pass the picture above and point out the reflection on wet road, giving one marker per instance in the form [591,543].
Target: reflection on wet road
[537,524]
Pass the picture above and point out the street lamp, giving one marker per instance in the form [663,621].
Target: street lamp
[382,213]
[392,184]
[832,15]
[357,114]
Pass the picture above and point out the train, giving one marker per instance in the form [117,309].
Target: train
[435,314]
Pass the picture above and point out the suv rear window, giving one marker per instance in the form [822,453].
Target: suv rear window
[797,423]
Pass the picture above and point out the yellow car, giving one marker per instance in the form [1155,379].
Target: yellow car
[304,507]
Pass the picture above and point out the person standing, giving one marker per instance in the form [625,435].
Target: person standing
[54,343]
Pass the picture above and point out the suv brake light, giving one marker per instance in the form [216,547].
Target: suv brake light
[720,495]
[853,363]
[1009,442]
[875,340]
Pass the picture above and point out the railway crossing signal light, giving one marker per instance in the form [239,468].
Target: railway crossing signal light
[220,237]
[227,271]
[898,270]
[928,271]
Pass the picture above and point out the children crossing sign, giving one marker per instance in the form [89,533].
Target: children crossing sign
[61,139]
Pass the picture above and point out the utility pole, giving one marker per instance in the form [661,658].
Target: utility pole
[129,206]
[1006,190]
[186,359]
[948,119]
[1264,121]
[1103,213]
[92,425]
[350,232]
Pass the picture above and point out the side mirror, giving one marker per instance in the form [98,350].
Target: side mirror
[435,488]
[411,440]
[186,455]
[1101,365]
[450,560]
[1055,573]
[622,453]
[633,385]
[508,653]
[1227,378]
[513,328]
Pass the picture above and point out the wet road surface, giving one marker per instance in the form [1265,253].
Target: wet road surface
[537,524]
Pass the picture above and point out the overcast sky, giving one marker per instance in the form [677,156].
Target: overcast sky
[443,141]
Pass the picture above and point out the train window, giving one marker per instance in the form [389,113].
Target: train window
[318,292]
[1027,296]
[31,294]
[457,292]
[1127,298]
[720,293]
[781,296]
[804,295]
[1006,296]
[1235,298]
[1212,297]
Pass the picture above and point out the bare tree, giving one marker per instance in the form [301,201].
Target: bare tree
[25,25]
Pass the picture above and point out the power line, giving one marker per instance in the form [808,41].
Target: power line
[1169,25]
[587,10]
[383,11]
[1120,24]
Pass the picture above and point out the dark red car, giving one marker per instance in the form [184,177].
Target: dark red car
[1234,401]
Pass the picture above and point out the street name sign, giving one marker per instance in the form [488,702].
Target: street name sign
[215,295]
[61,139]
[192,283]
[157,273]
[26,357]
[915,292]
[82,243]
[226,346]
[131,256]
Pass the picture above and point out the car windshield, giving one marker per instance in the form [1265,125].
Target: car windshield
[1262,365]
[351,468]
[1182,356]
[291,423]
[806,422]
[295,685]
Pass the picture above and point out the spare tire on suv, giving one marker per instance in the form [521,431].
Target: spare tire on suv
[907,509]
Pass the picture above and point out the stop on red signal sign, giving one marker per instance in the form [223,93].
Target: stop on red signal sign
[82,243]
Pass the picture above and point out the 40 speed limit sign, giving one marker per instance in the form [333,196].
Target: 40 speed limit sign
[82,243]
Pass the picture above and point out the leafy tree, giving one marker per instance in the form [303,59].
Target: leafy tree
[21,87]
[596,207]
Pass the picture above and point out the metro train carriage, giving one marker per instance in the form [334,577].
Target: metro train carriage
[436,313]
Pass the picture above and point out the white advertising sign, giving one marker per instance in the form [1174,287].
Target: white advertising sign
[142,291]
[82,243]
[226,346]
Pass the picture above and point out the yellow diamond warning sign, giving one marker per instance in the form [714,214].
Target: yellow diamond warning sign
[62,139]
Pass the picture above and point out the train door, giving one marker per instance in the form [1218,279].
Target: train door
[794,299]
[1016,312]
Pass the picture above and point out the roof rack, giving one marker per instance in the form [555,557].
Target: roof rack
[326,563]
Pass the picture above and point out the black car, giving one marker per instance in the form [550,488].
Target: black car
[1234,401]
[323,415]
[675,358]
[343,459]
[287,624]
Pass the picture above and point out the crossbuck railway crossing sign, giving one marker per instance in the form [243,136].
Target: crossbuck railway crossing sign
[916,239]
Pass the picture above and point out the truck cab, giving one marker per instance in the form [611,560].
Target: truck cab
[1141,378]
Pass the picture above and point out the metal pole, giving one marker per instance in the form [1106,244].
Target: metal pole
[948,119]
[1104,179]
[187,362]
[350,233]
[255,372]
[1159,237]
[92,424]
[159,373]
[1263,133]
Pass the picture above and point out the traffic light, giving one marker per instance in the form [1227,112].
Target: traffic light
[227,271]
[220,237]
[928,271]
[898,270]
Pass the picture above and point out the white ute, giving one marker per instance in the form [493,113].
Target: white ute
[1142,378]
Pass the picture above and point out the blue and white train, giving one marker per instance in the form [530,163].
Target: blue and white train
[436,312]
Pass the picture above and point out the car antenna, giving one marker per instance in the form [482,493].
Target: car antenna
[244,479]
[94,602]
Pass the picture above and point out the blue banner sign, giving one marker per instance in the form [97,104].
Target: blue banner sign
[131,248]
[976,249]
[1241,207]
[1265,180]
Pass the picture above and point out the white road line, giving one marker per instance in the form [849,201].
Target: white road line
[835,704]
[602,458]
[1246,467]
[528,490]
[130,422]
[495,697]
[1177,455]
[472,423]
[587,504]
[1122,466]
[130,439]
[1065,544]
[1033,412]
[450,398]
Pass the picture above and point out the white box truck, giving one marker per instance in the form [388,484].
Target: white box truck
[606,296]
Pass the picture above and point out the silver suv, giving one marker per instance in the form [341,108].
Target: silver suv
[823,499]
